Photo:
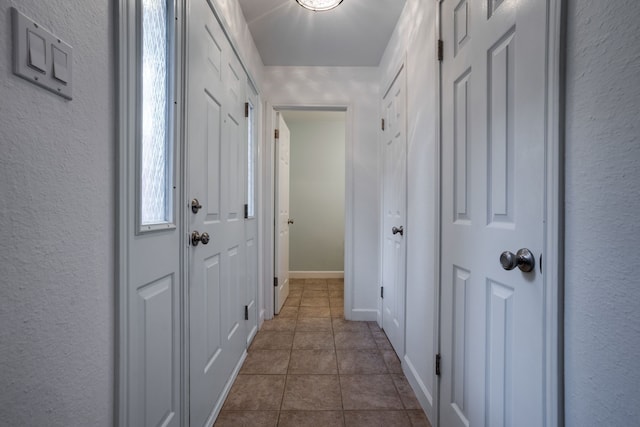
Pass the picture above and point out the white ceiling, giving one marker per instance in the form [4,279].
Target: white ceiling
[354,34]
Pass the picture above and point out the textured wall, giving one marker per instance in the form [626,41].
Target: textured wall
[356,87]
[602,307]
[57,227]
[317,178]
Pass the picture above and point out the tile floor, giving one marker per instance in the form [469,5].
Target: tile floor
[310,367]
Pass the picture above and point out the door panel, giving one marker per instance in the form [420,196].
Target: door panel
[215,176]
[394,207]
[283,155]
[157,358]
[493,86]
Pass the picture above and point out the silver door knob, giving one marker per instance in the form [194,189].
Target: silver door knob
[396,230]
[195,206]
[290,221]
[199,238]
[523,259]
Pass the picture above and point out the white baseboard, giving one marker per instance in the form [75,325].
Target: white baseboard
[363,315]
[316,274]
[419,388]
[225,392]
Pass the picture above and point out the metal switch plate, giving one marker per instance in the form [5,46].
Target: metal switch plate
[40,57]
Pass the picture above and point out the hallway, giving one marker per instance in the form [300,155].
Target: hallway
[310,367]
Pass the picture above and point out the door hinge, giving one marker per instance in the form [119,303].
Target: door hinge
[382,292]
[440,50]
[246,312]
[275,282]
[382,123]
[246,109]
[438,364]
[276,134]
[246,211]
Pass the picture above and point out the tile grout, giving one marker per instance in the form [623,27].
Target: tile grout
[378,349]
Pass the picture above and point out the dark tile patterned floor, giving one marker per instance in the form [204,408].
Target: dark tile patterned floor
[310,367]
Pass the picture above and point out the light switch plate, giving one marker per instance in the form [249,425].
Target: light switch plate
[40,57]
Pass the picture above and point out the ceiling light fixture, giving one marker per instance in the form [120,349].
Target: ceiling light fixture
[319,5]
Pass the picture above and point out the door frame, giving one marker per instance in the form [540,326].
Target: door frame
[268,197]
[553,240]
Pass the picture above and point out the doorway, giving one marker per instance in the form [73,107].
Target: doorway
[317,182]
[317,224]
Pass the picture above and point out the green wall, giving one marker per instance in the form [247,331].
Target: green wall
[317,175]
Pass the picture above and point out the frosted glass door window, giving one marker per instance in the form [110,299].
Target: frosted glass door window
[155,176]
[251,164]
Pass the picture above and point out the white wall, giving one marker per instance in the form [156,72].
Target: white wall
[357,88]
[414,41]
[602,289]
[57,226]
[317,181]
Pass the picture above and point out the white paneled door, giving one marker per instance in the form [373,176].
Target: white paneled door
[493,148]
[283,155]
[394,183]
[216,163]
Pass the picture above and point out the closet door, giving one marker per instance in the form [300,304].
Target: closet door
[394,194]
[493,165]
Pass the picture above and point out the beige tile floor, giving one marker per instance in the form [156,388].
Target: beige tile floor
[310,367]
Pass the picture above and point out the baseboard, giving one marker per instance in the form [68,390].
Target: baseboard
[419,388]
[225,392]
[316,275]
[362,315]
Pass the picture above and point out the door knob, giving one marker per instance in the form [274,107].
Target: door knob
[195,206]
[199,238]
[523,259]
[290,221]
[396,230]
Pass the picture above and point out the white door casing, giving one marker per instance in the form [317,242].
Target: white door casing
[493,189]
[215,147]
[283,156]
[394,187]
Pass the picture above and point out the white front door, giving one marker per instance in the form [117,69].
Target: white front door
[493,151]
[283,155]
[215,145]
[394,188]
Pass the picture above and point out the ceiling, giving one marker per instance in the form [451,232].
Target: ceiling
[353,34]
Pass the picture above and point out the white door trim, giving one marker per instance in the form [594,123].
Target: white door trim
[553,261]
[268,192]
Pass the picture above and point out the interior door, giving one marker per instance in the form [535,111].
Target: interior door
[215,141]
[283,154]
[493,148]
[394,190]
